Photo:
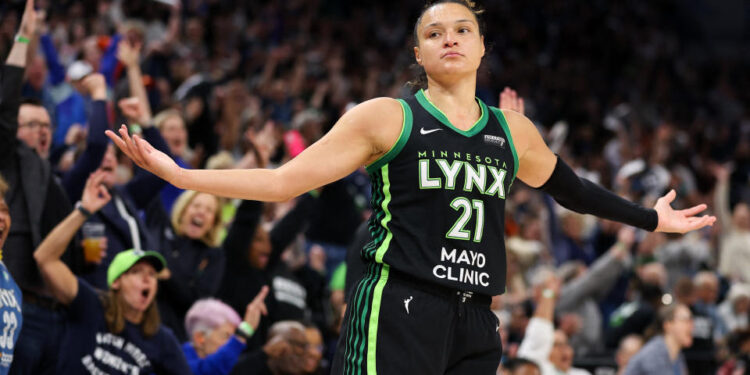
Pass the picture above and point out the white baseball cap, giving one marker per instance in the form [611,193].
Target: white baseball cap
[78,70]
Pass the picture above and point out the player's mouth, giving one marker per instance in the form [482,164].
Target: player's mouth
[451,54]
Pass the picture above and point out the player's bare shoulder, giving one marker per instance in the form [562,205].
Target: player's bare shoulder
[380,119]
[521,129]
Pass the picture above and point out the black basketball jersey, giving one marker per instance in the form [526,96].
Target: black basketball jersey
[438,199]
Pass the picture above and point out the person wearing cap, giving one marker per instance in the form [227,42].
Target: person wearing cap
[117,331]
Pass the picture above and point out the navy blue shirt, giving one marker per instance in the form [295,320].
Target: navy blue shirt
[10,313]
[88,347]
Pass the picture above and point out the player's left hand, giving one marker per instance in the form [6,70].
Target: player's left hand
[680,221]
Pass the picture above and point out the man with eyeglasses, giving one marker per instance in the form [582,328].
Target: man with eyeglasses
[34,126]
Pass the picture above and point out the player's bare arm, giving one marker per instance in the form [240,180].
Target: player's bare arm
[359,137]
[540,168]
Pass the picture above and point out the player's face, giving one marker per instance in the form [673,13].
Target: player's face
[450,44]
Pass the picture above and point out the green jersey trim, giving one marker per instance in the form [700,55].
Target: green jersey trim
[372,334]
[384,223]
[400,143]
[440,116]
[504,123]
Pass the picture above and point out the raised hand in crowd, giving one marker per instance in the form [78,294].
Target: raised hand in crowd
[133,110]
[41,27]
[96,86]
[18,53]
[256,308]
[58,276]
[509,99]
[720,171]
[28,20]
[128,53]
[95,194]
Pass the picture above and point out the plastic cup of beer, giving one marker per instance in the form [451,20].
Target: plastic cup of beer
[93,237]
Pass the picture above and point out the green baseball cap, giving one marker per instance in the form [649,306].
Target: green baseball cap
[126,259]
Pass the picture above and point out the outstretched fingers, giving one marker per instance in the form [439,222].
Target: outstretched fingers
[129,145]
[694,223]
[122,141]
[117,141]
[692,211]
[130,142]
[258,300]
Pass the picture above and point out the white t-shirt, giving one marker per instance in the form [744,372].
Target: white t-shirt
[537,344]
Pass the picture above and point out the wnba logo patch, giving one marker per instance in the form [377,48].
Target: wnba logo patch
[494,140]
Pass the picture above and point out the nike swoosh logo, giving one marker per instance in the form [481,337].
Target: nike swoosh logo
[425,132]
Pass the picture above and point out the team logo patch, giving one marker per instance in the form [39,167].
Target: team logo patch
[494,140]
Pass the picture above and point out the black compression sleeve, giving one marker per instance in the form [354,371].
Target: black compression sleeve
[583,196]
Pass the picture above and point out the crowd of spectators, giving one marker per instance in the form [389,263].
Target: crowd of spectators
[632,94]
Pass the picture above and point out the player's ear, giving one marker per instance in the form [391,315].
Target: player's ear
[417,55]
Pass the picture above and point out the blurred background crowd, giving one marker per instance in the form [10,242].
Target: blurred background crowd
[641,97]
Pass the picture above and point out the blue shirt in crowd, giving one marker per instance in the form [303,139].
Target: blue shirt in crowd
[653,359]
[219,363]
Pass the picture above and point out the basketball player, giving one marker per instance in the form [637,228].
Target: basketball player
[441,164]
